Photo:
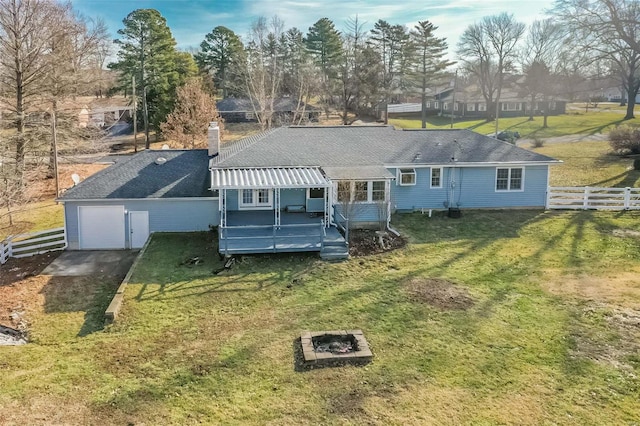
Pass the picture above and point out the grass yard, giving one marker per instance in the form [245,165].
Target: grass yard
[575,122]
[33,217]
[549,334]
[589,164]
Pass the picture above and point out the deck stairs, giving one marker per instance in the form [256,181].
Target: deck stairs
[335,247]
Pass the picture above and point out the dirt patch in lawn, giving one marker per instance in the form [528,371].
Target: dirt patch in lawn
[626,233]
[621,288]
[365,242]
[615,342]
[18,269]
[439,293]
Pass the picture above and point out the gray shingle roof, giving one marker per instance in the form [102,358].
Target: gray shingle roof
[360,146]
[184,174]
[244,105]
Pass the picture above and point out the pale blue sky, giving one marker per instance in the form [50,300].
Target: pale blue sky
[190,20]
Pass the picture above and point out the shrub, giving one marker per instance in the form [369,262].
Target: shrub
[537,142]
[625,140]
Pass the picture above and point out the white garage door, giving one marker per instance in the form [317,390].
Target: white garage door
[101,227]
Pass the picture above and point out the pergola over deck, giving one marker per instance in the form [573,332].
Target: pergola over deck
[247,232]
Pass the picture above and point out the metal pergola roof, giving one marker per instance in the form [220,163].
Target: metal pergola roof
[269,177]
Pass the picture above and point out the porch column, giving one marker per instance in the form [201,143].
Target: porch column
[223,208]
[327,207]
[276,206]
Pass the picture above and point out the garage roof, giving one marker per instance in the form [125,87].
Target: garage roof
[148,174]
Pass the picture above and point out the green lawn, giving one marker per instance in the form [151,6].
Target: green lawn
[589,164]
[535,347]
[575,122]
[33,217]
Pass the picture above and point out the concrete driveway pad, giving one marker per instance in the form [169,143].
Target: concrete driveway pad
[92,262]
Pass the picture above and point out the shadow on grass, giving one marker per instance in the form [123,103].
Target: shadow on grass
[90,295]
[240,278]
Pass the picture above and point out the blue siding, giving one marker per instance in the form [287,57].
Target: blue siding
[471,187]
[232,199]
[420,195]
[360,213]
[164,215]
[292,197]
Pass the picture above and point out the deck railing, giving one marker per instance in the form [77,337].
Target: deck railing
[273,235]
[25,245]
[342,223]
[592,198]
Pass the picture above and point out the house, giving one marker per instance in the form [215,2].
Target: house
[241,110]
[467,101]
[100,117]
[292,188]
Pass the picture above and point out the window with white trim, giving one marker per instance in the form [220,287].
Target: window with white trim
[378,189]
[407,177]
[509,179]
[455,106]
[436,177]
[482,106]
[511,106]
[471,107]
[445,105]
[361,191]
[436,105]
[427,104]
[255,198]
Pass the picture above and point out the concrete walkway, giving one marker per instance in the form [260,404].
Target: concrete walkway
[94,262]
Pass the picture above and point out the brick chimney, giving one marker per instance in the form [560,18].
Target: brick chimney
[213,137]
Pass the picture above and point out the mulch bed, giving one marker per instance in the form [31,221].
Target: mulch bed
[364,242]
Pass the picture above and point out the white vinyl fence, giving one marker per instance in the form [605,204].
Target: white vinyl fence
[592,198]
[25,245]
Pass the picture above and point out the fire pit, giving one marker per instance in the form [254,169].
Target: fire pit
[328,348]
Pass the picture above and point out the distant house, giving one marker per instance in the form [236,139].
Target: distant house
[241,110]
[104,116]
[291,188]
[468,101]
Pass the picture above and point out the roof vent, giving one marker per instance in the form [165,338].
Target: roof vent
[160,161]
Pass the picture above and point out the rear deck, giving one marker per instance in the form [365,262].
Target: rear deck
[252,232]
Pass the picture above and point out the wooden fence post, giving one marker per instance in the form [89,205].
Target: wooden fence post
[627,198]
[585,199]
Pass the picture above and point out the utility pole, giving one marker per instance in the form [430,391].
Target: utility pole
[453,104]
[55,150]
[135,114]
[497,115]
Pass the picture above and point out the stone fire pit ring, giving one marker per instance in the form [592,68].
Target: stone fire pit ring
[334,348]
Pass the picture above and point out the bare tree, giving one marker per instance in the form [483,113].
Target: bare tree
[610,29]
[187,124]
[488,51]
[26,28]
[263,72]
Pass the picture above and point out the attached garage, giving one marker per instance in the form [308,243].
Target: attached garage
[101,227]
[153,191]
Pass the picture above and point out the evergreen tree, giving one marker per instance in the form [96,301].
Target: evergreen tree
[324,44]
[392,43]
[220,54]
[147,51]
[429,61]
